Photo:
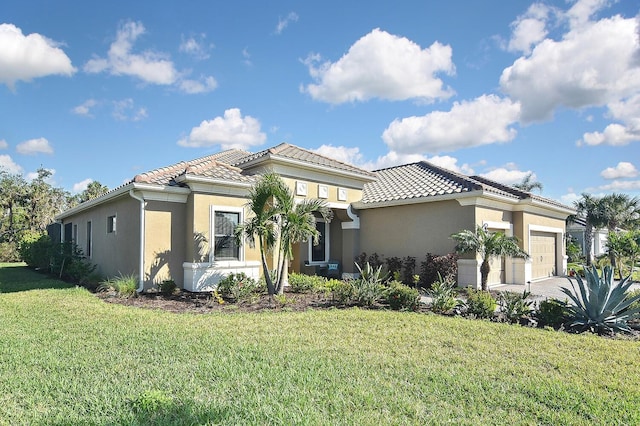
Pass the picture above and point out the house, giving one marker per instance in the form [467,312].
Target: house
[576,229]
[177,222]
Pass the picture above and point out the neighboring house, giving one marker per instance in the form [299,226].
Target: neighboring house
[576,230]
[177,222]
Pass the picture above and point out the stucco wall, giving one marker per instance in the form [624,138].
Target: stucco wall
[415,229]
[113,253]
[164,242]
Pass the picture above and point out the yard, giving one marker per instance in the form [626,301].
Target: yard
[67,357]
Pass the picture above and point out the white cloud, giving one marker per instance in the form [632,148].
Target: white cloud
[197,48]
[593,64]
[3,144]
[618,186]
[485,120]
[84,108]
[622,170]
[81,186]
[204,85]
[28,57]
[508,174]
[344,154]
[125,110]
[614,134]
[529,29]
[230,131]
[627,111]
[569,198]
[148,66]
[284,22]
[34,146]
[7,164]
[247,57]
[385,66]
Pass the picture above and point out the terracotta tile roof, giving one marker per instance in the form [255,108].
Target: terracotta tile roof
[293,152]
[211,166]
[423,179]
[415,180]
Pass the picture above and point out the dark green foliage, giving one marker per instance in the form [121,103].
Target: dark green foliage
[480,304]
[551,313]
[167,287]
[599,304]
[401,297]
[301,283]
[515,306]
[408,270]
[446,266]
[237,287]
[9,252]
[394,265]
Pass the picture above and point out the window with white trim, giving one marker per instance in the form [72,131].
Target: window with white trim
[225,246]
[319,253]
[111,224]
[89,242]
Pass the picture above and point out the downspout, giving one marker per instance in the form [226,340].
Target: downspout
[140,288]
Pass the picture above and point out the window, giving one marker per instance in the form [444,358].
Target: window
[225,245]
[111,224]
[68,236]
[320,252]
[88,249]
[75,234]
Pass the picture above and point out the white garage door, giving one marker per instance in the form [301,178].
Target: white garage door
[543,254]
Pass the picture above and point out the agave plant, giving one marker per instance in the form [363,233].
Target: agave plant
[599,304]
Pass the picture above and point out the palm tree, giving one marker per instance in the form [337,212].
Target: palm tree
[487,245]
[589,208]
[528,185]
[263,223]
[619,211]
[278,220]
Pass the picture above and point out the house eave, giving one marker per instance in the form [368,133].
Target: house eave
[359,205]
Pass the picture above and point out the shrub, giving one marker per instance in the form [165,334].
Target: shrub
[167,287]
[368,289]
[401,297]
[8,252]
[552,313]
[599,305]
[375,260]
[515,306]
[301,283]
[394,265]
[634,294]
[36,250]
[343,292]
[443,294]
[446,266]
[237,287]
[480,304]
[123,285]
[408,270]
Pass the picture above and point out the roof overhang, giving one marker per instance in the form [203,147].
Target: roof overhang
[309,171]
[205,184]
[150,192]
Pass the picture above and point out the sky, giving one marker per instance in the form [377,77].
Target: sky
[106,90]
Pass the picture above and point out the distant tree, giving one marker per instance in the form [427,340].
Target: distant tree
[619,211]
[528,184]
[13,191]
[487,245]
[93,190]
[590,209]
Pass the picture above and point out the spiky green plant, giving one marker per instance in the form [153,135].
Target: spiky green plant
[600,305]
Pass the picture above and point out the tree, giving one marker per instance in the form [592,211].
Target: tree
[93,190]
[297,224]
[487,245]
[624,245]
[589,208]
[13,191]
[278,220]
[528,184]
[619,211]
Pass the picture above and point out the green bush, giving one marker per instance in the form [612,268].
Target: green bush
[343,291]
[36,250]
[167,287]
[301,283]
[237,287]
[433,266]
[443,294]
[124,285]
[480,304]
[368,289]
[515,306]
[401,297]
[552,313]
[8,252]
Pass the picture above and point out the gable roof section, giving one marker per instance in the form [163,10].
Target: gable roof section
[426,181]
[294,153]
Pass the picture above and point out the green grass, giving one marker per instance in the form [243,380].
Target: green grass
[66,357]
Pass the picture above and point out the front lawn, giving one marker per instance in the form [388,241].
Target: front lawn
[66,357]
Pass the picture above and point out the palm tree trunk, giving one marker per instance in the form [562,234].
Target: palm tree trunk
[265,270]
[484,274]
[283,276]
[588,241]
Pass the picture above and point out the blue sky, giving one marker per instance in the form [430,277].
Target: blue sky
[105,90]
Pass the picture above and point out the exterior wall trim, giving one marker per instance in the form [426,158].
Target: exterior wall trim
[204,277]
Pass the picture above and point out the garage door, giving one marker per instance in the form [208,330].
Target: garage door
[543,254]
